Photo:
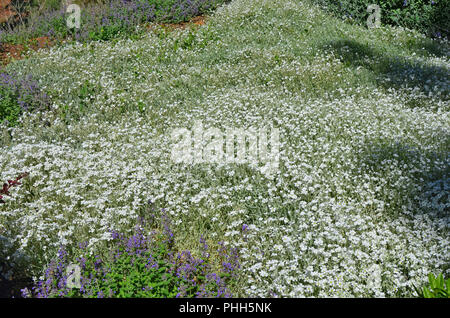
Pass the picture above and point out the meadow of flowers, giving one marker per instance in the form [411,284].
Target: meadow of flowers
[359,206]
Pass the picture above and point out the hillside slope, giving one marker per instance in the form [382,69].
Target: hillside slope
[359,204]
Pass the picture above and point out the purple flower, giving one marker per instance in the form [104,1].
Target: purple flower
[24,90]
[192,276]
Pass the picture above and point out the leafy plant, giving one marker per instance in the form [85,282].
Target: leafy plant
[9,108]
[428,16]
[437,287]
[101,20]
[18,95]
[143,265]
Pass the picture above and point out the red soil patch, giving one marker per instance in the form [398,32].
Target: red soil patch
[8,12]
[9,52]
[5,11]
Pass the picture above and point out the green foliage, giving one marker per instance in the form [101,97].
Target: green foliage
[259,65]
[85,95]
[437,287]
[47,4]
[18,94]
[129,276]
[57,4]
[100,20]
[431,17]
[9,107]
[145,265]
[106,33]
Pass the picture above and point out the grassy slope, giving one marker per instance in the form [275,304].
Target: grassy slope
[364,122]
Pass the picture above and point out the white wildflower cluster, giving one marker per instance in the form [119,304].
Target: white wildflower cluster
[235,145]
[359,204]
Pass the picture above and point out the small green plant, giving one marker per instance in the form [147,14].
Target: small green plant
[9,108]
[124,276]
[438,287]
[143,265]
[19,94]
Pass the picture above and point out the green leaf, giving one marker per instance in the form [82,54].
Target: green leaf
[440,281]
[431,280]
[426,293]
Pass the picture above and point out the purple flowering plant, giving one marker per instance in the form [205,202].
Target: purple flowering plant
[143,265]
[19,94]
[105,21]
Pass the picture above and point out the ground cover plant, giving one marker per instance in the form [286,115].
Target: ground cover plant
[101,20]
[429,16]
[18,95]
[143,265]
[438,287]
[359,204]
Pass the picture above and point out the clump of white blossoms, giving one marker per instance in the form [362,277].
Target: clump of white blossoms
[358,207]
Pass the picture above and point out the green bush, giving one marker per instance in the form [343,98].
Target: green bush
[19,94]
[130,276]
[428,16]
[144,265]
[9,107]
[437,287]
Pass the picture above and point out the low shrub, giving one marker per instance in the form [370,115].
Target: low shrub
[142,265]
[104,20]
[18,95]
[428,16]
